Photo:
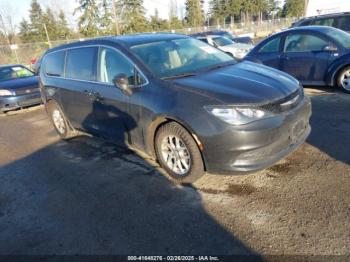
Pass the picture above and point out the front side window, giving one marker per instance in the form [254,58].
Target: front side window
[175,57]
[113,63]
[14,72]
[271,46]
[80,63]
[54,64]
[304,43]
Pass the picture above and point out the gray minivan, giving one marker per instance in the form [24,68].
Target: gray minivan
[185,103]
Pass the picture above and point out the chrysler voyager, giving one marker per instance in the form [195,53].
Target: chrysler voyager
[185,103]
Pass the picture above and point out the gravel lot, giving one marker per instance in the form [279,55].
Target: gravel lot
[87,196]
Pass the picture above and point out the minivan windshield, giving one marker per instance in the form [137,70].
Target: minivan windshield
[340,36]
[14,72]
[178,57]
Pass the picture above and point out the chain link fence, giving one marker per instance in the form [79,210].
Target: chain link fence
[23,53]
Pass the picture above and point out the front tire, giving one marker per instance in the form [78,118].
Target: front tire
[59,121]
[178,153]
[343,79]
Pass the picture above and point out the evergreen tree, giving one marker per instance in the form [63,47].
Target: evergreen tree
[132,15]
[36,22]
[89,18]
[158,24]
[174,21]
[106,23]
[49,20]
[293,8]
[194,12]
[63,30]
[25,31]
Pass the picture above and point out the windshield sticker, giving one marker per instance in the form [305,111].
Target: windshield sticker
[17,68]
[209,49]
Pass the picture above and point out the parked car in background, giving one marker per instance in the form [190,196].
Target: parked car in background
[315,55]
[338,20]
[185,103]
[234,38]
[18,88]
[236,50]
[35,64]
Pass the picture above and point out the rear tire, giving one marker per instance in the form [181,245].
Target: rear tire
[178,153]
[343,79]
[59,121]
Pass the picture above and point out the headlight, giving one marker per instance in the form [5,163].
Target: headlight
[4,92]
[238,115]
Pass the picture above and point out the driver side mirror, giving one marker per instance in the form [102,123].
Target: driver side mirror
[121,81]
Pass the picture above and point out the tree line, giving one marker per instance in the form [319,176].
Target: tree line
[110,17]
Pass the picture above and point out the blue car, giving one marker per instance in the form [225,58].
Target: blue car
[315,55]
[18,88]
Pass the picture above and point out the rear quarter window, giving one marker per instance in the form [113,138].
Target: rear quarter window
[271,46]
[54,64]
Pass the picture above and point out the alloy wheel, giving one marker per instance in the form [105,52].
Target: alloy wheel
[58,121]
[176,155]
[345,80]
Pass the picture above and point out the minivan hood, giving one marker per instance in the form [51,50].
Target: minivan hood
[242,83]
[19,82]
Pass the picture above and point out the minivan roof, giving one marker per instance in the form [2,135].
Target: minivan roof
[324,16]
[124,40]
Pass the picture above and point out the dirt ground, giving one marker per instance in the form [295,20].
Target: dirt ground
[87,196]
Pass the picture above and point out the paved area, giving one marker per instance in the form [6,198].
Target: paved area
[87,196]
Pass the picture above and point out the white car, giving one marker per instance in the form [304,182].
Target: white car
[237,50]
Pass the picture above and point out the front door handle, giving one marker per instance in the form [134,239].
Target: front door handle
[97,96]
[88,92]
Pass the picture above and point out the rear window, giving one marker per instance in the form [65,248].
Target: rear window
[81,62]
[54,64]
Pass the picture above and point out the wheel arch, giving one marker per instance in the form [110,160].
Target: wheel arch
[333,73]
[162,120]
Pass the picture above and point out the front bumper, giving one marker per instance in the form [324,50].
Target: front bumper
[14,102]
[260,144]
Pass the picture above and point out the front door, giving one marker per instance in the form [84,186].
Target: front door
[112,115]
[306,57]
[269,54]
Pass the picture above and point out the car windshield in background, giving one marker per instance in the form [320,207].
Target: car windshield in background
[179,56]
[14,72]
[341,37]
[222,41]
[227,35]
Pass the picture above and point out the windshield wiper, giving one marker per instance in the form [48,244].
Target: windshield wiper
[179,76]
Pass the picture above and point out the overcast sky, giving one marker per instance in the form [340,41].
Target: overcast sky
[19,9]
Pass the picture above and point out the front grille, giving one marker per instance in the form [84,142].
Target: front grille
[284,104]
[27,90]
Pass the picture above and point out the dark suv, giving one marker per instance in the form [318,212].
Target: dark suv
[337,20]
[183,102]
